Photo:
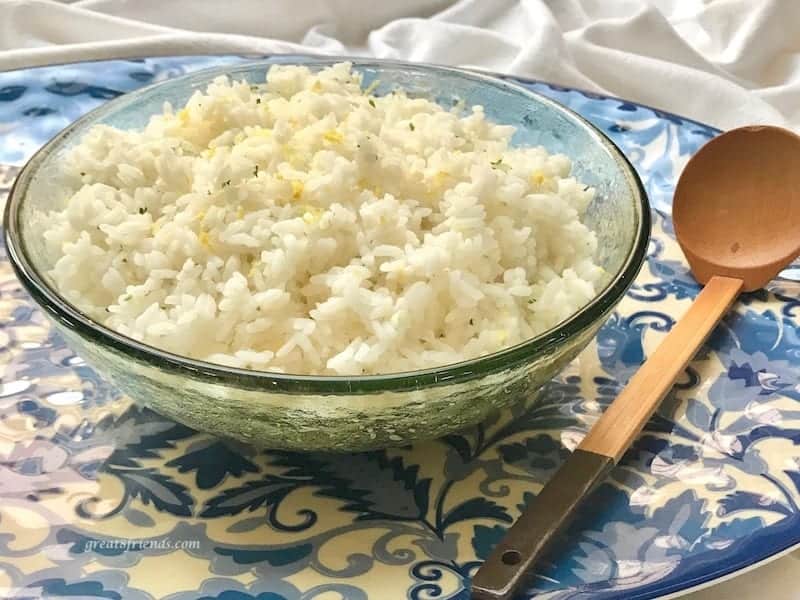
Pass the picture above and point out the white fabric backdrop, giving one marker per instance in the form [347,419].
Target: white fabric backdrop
[724,62]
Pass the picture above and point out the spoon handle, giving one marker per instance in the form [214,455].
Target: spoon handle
[527,540]
[624,419]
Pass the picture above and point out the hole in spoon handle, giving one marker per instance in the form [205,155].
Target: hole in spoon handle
[531,536]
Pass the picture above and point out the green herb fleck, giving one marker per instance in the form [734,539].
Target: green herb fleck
[226,183]
[496,163]
[83,173]
[142,210]
[255,171]
[411,126]
[372,103]
[258,100]
[472,321]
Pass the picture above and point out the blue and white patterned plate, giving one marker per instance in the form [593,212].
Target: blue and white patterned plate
[101,499]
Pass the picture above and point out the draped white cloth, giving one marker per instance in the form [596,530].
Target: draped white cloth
[724,62]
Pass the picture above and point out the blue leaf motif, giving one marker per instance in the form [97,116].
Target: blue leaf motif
[729,531]
[459,457]
[539,453]
[741,425]
[698,414]
[732,394]
[684,516]
[151,486]
[141,433]
[739,500]
[372,484]
[213,462]
[139,518]
[475,508]
[484,539]
[59,588]
[269,491]
[752,462]
[276,557]
[443,548]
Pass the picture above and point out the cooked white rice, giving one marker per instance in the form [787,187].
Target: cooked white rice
[306,226]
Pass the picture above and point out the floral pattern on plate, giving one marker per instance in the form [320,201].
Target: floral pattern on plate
[100,497]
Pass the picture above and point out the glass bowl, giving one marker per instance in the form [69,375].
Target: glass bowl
[304,412]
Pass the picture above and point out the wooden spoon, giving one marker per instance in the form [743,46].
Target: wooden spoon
[737,219]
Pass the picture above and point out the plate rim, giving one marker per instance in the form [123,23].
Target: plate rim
[730,569]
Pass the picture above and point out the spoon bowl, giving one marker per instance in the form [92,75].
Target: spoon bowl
[737,206]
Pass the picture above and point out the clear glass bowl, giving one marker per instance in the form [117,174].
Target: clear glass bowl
[344,413]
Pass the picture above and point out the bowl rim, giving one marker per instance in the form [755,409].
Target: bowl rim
[72,318]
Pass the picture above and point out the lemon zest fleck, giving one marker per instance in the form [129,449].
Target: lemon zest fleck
[297,189]
[333,136]
[317,87]
[203,237]
[183,115]
[538,178]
